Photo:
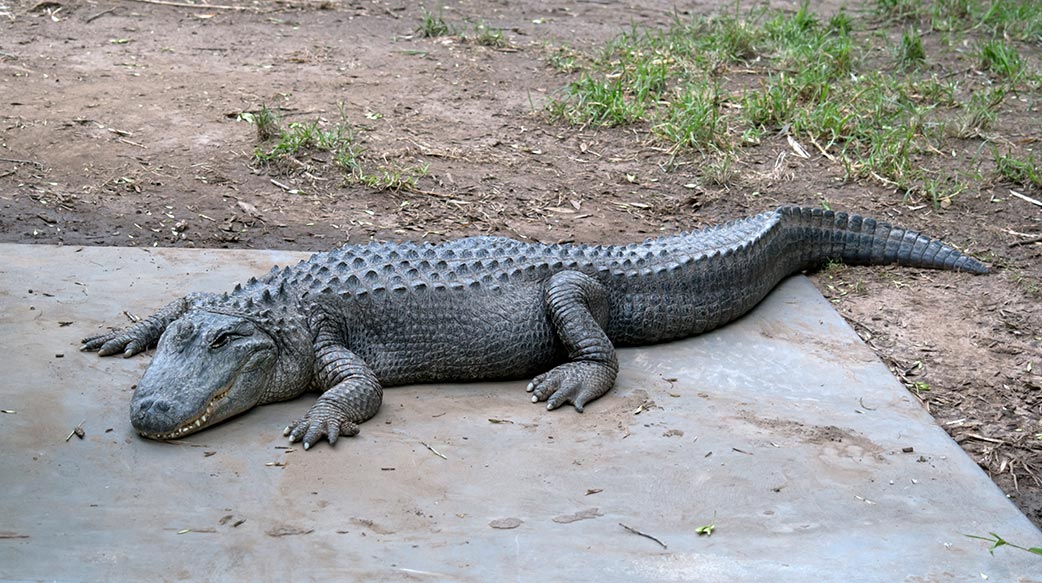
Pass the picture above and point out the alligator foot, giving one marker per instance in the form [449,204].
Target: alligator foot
[573,382]
[325,419]
[141,335]
[115,343]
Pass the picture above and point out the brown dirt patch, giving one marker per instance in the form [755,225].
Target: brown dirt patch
[125,114]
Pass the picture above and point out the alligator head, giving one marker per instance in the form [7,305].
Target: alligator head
[208,367]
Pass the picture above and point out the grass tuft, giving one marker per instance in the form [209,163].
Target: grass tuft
[911,54]
[433,25]
[899,10]
[294,148]
[977,115]
[564,59]
[1022,171]
[265,121]
[487,36]
[693,120]
[720,169]
[1000,58]
[395,179]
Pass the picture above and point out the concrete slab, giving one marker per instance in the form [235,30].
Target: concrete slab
[781,429]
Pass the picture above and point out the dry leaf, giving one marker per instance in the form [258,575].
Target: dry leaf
[248,209]
[506,523]
[796,147]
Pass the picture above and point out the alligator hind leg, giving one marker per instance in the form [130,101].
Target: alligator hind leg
[352,393]
[578,308]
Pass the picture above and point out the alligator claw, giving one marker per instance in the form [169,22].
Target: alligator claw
[98,342]
[577,383]
[120,341]
[323,420]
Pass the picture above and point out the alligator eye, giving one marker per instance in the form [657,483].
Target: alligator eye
[221,340]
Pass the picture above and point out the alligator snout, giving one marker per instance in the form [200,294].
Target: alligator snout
[152,415]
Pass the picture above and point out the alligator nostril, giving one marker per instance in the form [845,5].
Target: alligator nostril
[152,415]
[150,405]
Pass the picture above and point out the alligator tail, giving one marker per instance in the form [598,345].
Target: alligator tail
[826,235]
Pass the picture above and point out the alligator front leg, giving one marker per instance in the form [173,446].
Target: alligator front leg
[578,308]
[351,393]
[141,335]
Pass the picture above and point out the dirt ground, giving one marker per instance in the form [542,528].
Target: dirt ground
[119,126]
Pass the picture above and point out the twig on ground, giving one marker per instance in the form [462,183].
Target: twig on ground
[434,451]
[77,431]
[983,438]
[126,141]
[1037,239]
[99,15]
[187,5]
[17,161]
[1033,201]
[644,534]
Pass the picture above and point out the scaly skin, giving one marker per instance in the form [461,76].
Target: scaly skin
[351,321]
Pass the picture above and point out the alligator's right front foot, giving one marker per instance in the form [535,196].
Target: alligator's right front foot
[141,335]
[114,343]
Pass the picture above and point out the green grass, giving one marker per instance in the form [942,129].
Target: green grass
[978,114]
[997,56]
[564,59]
[1023,171]
[997,541]
[1019,20]
[394,178]
[854,89]
[911,53]
[486,36]
[337,144]
[265,121]
[1015,19]
[693,119]
[433,25]
[899,10]
[299,138]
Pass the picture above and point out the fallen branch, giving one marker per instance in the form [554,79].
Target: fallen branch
[99,15]
[17,161]
[1027,198]
[78,431]
[644,534]
[1037,239]
[983,438]
[280,185]
[434,451]
[187,5]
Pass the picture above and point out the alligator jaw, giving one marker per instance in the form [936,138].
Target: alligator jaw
[196,423]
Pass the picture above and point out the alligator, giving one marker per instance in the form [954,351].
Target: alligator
[348,322]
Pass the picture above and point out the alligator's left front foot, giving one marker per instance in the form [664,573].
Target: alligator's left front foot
[325,419]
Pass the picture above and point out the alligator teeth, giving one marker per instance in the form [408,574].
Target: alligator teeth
[191,426]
